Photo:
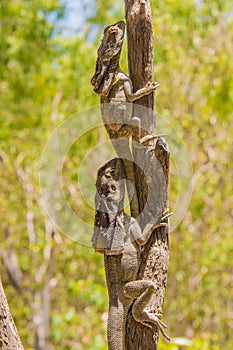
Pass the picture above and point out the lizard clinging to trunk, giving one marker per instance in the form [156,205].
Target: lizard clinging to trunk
[119,237]
[116,96]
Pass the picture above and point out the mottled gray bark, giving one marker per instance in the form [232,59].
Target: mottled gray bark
[154,163]
[9,338]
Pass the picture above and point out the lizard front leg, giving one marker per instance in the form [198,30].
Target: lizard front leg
[142,291]
[146,90]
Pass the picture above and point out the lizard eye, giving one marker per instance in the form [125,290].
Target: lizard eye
[113,188]
[109,172]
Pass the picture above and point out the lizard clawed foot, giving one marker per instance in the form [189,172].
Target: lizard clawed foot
[166,215]
[152,85]
[154,319]
[147,138]
[146,318]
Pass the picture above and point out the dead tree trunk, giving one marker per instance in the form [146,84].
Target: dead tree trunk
[154,162]
[136,255]
[9,338]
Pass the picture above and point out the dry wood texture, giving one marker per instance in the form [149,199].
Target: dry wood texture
[9,338]
[154,163]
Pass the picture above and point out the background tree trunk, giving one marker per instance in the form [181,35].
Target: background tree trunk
[154,163]
[9,338]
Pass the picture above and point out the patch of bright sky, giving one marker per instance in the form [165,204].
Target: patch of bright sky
[76,14]
[200,4]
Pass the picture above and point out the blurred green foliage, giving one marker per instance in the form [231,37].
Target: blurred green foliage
[44,78]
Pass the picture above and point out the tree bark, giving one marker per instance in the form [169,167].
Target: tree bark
[154,165]
[9,338]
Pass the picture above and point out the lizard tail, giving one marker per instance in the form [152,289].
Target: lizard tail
[116,337]
[118,304]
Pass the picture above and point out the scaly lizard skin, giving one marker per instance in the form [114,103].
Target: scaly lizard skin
[119,237]
[116,96]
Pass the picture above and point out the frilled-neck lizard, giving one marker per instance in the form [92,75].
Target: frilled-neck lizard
[119,237]
[116,97]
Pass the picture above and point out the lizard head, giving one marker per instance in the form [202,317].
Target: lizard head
[110,190]
[110,182]
[109,230]
[108,57]
[112,41]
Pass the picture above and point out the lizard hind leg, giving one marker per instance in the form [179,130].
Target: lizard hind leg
[143,291]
